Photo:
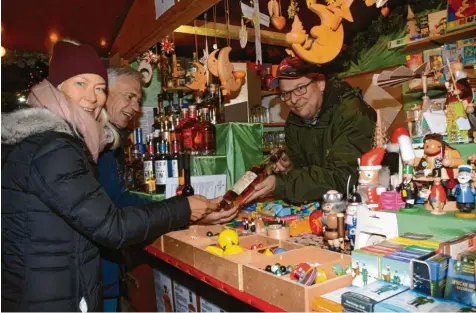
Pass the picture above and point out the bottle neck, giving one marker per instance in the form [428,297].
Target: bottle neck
[192,113]
[175,146]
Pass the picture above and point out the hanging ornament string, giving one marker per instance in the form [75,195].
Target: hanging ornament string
[196,41]
[205,51]
[215,26]
[227,17]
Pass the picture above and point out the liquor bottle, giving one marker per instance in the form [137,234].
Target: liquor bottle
[129,172]
[212,104]
[206,131]
[181,174]
[149,173]
[187,189]
[189,130]
[245,185]
[172,162]
[161,173]
[178,129]
[161,114]
[138,163]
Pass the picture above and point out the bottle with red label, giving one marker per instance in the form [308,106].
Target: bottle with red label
[178,129]
[189,132]
[245,185]
[206,133]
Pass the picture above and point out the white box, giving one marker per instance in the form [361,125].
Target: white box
[186,300]
[163,292]
[207,306]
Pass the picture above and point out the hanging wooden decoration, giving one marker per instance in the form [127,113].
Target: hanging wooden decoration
[293,9]
[199,78]
[243,35]
[145,68]
[273,8]
[213,63]
[225,73]
[370,3]
[277,19]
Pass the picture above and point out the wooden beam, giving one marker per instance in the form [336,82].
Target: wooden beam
[140,30]
[267,37]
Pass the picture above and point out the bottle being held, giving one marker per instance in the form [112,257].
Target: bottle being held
[245,185]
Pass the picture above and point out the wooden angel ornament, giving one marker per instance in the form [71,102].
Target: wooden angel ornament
[199,78]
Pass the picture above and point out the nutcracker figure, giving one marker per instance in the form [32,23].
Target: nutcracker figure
[465,193]
[408,187]
[437,197]
[354,202]
[369,187]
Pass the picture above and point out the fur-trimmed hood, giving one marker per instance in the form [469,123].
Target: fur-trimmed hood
[27,122]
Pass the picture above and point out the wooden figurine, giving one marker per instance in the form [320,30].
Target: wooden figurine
[226,73]
[199,78]
[465,193]
[408,187]
[437,197]
[274,9]
[369,187]
[331,234]
[436,150]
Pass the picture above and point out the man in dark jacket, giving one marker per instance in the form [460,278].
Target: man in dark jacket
[327,130]
[123,104]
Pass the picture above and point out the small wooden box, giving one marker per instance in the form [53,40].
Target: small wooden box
[228,269]
[181,244]
[291,295]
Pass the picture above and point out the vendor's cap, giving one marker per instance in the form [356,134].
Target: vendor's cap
[294,68]
[70,59]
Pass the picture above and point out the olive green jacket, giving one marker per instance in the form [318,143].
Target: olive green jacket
[325,154]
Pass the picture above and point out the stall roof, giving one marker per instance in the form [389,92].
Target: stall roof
[28,24]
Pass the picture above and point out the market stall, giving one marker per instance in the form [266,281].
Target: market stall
[399,235]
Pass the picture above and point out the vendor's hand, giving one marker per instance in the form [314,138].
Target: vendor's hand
[283,165]
[200,207]
[220,217]
[265,188]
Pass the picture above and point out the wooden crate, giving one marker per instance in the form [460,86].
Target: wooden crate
[228,269]
[290,295]
[181,244]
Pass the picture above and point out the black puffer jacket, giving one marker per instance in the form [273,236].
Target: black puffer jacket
[55,213]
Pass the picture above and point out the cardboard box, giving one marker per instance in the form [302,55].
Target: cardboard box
[163,292]
[290,295]
[366,267]
[364,299]
[411,301]
[207,306]
[429,276]
[460,286]
[331,302]
[185,299]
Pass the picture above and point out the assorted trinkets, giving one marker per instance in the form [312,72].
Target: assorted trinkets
[465,193]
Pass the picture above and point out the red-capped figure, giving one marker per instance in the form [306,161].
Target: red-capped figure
[437,197]
[369,187]
[400,141]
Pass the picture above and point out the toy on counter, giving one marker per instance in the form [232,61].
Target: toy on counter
[308,274]
[278,269]
[333,202]
[227,244]
[370,186]
[465,193]
[334,233]
[408,187]
[354,202]
[437,197]
[401,142]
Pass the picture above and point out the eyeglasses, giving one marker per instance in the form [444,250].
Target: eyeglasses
[298,91]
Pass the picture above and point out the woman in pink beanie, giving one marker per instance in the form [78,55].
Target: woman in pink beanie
[55,214]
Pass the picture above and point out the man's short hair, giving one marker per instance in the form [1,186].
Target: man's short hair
[114,72]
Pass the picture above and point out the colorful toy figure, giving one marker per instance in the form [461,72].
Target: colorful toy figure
[331,234]
[465,193]
[437,197]
[355,201]
[369,187]
[408,187]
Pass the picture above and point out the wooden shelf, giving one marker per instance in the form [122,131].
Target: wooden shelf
[176,89]
[274,124]
[440,40]
[266,93]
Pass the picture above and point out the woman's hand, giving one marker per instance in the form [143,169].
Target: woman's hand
[200,207]
[221,216]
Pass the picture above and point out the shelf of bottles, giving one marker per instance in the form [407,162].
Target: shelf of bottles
[179,131]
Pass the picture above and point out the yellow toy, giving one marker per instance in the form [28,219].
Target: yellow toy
[215,250]
[233,249]
[268,252]
[321,275]
[227,237]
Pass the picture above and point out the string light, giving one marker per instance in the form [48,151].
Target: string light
[3,51]
[53,37]
[103,43]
